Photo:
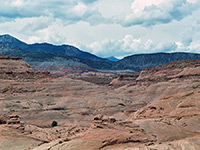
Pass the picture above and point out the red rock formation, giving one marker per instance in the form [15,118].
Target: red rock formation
[159,108]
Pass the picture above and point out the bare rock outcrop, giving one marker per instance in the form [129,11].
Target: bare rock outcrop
[102,121]
[123,80]
[10,119]
[177,69]
[158,108]
[14,68]
[3,120]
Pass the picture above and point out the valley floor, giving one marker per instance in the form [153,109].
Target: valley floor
[157,109]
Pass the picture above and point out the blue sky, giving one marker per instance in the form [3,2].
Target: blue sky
[106,27]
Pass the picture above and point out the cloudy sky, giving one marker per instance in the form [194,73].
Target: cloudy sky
[106,27]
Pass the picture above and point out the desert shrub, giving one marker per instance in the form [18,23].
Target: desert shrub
[25,107]
[54,123]
[58,108]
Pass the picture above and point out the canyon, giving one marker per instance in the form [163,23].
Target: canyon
[156,108]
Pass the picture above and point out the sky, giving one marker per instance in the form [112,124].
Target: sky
[106,27]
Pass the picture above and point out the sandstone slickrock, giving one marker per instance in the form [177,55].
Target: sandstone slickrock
[157,109]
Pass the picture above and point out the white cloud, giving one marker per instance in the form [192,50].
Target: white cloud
[17,3]
[195,47]
[130,45]
[68,11]
[114,8]
[33,39]
[126,46]
[187,40]
[148,13]
[80,9]
[192,1]
[106,27]
[149,44]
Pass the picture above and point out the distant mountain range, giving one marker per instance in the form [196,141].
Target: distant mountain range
[112,58]
[141,61]
[48,48]
[45,54]
[52,59]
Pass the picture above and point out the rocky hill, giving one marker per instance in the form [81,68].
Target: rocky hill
[48,55]
[14,68]
[142,61]
[46,59]
[12,42]
[68,50]
[13,64]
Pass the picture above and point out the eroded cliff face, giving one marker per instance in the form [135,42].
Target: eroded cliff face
[14,68]
[157,109]
[13,64]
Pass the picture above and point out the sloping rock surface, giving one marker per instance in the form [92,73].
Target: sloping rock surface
[157,109]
